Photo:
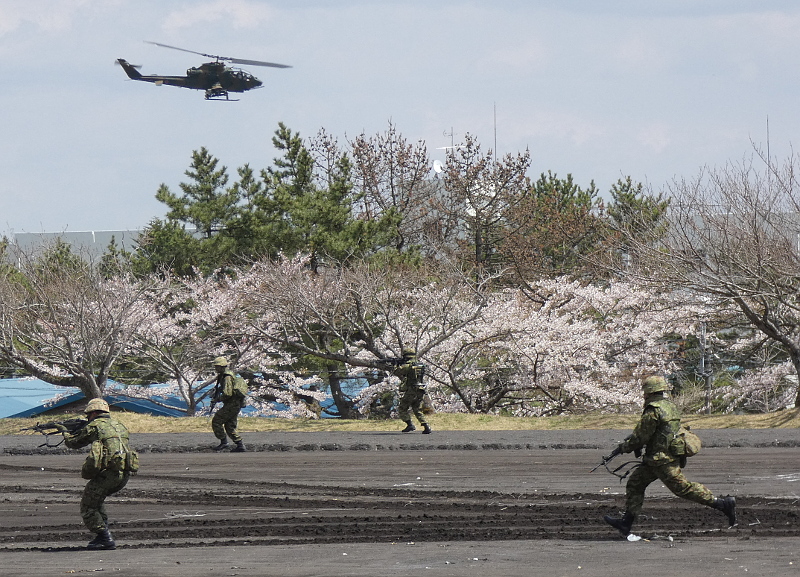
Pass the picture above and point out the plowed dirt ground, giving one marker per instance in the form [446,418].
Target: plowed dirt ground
[452,503]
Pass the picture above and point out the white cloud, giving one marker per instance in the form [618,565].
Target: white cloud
[655,137]
[240,13]
[47,15]
[528,55]
[553,125]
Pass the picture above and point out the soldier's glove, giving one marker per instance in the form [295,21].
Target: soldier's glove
[60,428]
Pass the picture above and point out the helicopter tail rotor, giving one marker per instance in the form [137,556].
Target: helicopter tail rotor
[136,66]
[131,70]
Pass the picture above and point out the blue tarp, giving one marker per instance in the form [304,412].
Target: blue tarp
[20,395]
[26,397]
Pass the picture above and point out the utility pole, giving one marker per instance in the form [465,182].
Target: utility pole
[705,372]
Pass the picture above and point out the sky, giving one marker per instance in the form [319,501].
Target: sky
[650,89]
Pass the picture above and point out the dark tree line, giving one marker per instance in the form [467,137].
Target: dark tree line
[377,199]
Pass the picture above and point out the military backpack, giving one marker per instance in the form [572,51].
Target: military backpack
[685,443]
[240,386]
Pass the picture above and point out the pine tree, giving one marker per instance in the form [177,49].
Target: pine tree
[192,234]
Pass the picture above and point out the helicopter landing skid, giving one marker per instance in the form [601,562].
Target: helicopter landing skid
[219,94]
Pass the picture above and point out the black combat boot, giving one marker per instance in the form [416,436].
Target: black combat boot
[622,524]
[239,448]
[103,542]
[409,427]
[223,444]
[426,429]
[728,506]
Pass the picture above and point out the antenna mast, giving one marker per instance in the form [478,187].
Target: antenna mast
[495,130]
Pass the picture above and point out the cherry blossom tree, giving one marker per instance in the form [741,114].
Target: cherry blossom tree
[556,347]
[64,323]
[764,389]
[579,347]
[351,319]
[200,318]
[575,347]
[732,240]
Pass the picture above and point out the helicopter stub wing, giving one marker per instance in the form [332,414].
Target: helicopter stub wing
[168,80]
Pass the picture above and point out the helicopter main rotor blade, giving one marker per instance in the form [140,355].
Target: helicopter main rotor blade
[227,58]
[255,62]
[182,49]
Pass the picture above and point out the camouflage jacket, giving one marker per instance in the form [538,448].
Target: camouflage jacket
[411,374]
[659,422]
[230,387]
[110,433]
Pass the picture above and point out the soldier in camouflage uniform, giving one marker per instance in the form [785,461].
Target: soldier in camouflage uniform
[412,391]
[226,420]
[659,422]
[106,475]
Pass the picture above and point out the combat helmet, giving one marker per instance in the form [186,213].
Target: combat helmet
[220,362]
[409,352]
[97,405]
[654,384]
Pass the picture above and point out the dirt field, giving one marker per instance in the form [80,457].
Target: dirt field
[453,503]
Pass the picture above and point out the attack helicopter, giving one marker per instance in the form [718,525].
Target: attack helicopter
[216,78]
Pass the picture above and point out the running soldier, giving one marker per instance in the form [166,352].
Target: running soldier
[655,431]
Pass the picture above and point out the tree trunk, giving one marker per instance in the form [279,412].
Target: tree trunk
[794,354]
[343,404]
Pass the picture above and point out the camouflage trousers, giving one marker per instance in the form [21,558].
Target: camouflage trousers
[672,477]
[226,420]
[411,399]
[93,508]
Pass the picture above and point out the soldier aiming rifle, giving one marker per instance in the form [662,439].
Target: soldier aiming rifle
[107,467]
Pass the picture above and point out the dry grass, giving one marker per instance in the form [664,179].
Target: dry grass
[442,422]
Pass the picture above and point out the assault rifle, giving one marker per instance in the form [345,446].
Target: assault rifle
[606,460]
[216,397]
[393,361]
[55,427]
[616,472]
